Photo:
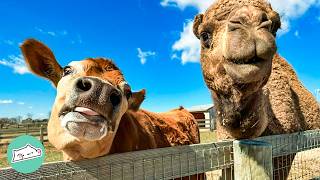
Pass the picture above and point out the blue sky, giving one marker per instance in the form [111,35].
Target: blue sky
[150,40]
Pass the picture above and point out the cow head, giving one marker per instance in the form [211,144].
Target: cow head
[92,96]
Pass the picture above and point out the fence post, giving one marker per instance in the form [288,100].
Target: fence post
[41,133]
[252,160]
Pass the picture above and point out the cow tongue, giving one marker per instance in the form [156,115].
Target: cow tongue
[86,111]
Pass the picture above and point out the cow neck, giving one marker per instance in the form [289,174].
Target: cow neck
[126,133]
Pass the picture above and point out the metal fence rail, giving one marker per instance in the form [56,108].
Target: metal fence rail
[176,162]
[296,155]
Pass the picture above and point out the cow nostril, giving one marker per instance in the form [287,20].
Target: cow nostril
[115,99]
[83,85]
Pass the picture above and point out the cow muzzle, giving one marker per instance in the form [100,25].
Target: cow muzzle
[91,108]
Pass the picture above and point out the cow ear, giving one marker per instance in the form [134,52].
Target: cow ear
[196,23]
[136,100]
[41,61]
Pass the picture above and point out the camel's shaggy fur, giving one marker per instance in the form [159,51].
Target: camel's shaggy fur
[255,91]
[270,101]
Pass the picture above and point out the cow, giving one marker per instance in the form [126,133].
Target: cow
[95,113]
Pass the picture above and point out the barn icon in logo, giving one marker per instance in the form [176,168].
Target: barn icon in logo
[25,153]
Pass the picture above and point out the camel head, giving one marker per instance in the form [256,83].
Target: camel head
[92,96]
[237,45]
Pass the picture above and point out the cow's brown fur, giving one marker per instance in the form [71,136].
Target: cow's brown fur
[135,129]
[146,130]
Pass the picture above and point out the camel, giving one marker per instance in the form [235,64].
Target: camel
[256,92]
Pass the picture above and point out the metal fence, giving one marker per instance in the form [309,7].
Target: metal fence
[296,156]
[214,159]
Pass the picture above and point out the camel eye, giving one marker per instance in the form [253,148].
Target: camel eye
[267,25]
[67,70]
[205,38]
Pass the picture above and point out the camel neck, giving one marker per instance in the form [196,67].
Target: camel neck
[242,117]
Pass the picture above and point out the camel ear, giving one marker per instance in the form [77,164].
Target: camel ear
[196,23]
[136,100]
[41,61]
[276,22]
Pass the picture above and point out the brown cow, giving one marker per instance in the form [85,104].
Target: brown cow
[95,113]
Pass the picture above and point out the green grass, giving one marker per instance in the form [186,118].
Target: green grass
[3,162]
[207,137]
[53,155]
[3,156]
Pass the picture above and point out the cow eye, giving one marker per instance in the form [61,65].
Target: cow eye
[205,38]
[67,70]
[109,68]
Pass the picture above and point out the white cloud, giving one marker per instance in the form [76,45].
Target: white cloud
[188,46]
[6,101]
[20,103]
[290,10]
[201,5]
[30,107]
[142,55]
[16,63]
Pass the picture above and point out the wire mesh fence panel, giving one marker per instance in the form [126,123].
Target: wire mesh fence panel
[295,156]
[165,163]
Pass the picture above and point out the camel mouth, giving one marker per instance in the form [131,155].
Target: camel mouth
[253,61]
[252,70]
[85,123]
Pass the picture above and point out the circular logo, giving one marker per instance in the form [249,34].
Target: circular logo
[25,154]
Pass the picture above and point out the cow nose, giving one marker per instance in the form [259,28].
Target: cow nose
[96,91]
[84,84]
[115,98]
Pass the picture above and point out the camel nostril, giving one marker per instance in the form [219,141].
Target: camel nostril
[264,18]
[115,99]
[84,85]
